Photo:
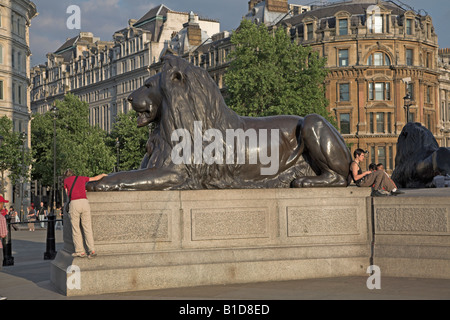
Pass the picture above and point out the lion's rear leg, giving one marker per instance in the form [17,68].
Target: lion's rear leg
[328,153]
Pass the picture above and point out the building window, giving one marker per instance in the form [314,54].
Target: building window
[382,155]
[379,91]
[429,93]
[379,59]
[372,155]
[371,122]
[344,92]
[1,89]
[429,60]
[343,58]
[344,122]
[389,122]
[391,158]
[309,31]
[380,122]
[443,110]
[409,26]
[410,90]
[375,23]
[409,57]
[343,27]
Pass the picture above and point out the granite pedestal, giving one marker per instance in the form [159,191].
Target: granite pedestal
[167,239]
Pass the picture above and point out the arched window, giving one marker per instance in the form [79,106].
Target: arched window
[378,59]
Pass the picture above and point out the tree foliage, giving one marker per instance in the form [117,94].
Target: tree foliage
[271,75]
[79,146]
[132,140]
[15,158]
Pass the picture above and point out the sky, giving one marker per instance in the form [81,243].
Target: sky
[49,30]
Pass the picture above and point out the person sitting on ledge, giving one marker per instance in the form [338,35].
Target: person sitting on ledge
[378,180]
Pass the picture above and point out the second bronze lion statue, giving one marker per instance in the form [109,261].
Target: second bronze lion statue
[192,121]
[419,158]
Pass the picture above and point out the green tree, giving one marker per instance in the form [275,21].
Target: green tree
[271,75]
[78,145]
[14,158]
[132,140]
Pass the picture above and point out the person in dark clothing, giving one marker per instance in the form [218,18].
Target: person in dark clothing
[380,182]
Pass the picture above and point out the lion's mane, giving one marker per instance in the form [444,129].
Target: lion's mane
[193,97]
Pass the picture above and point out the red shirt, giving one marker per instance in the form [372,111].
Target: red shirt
[3,229]
[79,190]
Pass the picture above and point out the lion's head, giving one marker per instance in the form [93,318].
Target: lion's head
[179,95]
[146,101]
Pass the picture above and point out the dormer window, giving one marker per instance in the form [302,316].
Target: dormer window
[343,27]
[409,26]
[375,23]
[377,19]
[309,31]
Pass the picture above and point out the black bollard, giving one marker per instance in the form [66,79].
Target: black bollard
[8,259]
[50,254]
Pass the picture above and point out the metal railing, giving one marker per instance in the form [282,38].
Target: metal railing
[49,254]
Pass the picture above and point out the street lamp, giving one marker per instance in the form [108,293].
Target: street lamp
[22,137]
[54,110]
[408,103]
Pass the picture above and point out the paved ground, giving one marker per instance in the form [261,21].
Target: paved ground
[29,279]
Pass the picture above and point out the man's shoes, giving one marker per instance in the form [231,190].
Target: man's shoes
[396,192]
[379,193]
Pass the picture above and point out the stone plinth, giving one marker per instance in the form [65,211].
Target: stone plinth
[412,234]
[166,239]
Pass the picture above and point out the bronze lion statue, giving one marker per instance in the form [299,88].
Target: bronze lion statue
[198,142]
[419,158]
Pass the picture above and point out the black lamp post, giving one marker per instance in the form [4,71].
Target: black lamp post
[54,110]
[50,253]
[23,137]
[407,99]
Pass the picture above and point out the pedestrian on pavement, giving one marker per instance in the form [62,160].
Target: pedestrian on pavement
[31,218]
[42,214]
[59,217]
[3,234]
[14,217]
[80,212]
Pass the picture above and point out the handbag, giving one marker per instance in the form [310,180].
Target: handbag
[66,205]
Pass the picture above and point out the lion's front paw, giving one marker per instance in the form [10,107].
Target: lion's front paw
[97,186]
[90,186]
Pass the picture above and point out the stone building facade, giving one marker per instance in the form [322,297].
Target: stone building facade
[377,52]
[15,21]
[444,94]
[104,73]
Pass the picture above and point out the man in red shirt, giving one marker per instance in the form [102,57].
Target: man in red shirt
[80,212]
[3,233]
